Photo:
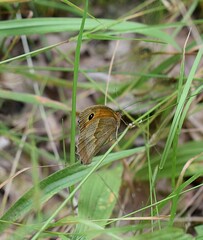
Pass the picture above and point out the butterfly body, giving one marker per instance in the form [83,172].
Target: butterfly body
[98,125]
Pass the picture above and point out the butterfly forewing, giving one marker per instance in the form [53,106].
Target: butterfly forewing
[97,125]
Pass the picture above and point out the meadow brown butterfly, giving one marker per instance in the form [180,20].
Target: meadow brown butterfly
[98,125]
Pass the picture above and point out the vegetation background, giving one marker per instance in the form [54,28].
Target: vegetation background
[145,59]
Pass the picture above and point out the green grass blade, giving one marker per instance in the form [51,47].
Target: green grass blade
[185,151]
[180,107]
[51,185]
[165,234]
[32,54]
[97,199]
[48,25]
[74,88]
[33,99]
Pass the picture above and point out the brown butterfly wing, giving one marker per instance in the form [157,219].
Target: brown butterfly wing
[91,141]
[94,134]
